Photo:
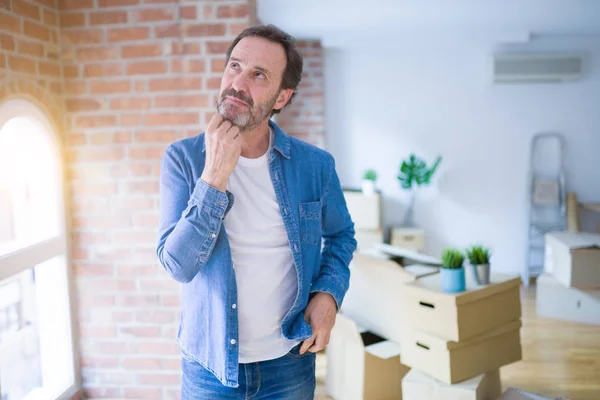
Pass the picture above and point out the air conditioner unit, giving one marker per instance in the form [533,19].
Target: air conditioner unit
[536,67]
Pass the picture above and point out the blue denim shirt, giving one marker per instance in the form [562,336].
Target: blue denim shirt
[194,249]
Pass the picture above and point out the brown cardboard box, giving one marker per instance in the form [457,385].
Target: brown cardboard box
[464,315]
[452,362]
[362,365]
[374,296]
[573,258]
[408,238]
[417,385]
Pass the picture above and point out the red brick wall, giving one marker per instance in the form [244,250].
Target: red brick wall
[30,54]
[138,75]
[304,117]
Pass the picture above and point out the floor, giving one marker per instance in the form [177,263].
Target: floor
[559,358]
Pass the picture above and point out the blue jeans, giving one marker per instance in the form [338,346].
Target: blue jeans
[291,377]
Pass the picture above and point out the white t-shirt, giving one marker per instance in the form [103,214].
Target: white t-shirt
[262,259]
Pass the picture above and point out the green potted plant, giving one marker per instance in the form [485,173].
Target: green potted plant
[452,272]
[414,173]
[368,183]
[479,259]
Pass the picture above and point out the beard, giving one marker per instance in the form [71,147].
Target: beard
[245,117]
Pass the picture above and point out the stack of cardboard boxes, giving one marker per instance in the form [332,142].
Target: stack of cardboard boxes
[569,288]
[455,343]
[399,336]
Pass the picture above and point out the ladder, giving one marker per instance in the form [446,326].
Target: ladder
[547,198]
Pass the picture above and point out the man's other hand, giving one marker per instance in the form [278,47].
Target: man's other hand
[320,314]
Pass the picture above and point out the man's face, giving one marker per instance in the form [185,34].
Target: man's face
[251,82]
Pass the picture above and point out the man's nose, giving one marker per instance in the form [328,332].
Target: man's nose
[240,83]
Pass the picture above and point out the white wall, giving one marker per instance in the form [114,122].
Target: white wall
[435,96]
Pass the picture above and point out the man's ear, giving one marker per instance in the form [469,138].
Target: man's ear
[283,98]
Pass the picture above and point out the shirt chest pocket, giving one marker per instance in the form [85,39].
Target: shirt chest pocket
[310,222]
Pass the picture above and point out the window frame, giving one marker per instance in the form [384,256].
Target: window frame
[14,261]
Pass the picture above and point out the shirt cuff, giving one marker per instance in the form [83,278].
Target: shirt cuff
[207,196]
[331,286]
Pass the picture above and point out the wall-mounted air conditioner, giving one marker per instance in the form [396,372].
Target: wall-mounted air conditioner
[536,67]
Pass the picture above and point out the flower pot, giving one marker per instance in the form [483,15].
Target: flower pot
[481,274]
[368,187]
[453,279]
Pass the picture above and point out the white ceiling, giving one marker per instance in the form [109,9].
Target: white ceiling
[341,23]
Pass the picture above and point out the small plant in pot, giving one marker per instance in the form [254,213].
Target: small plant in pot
[414,173]
[479,258]
[368,183]
[452,273]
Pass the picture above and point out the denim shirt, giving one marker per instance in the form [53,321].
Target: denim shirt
[194,249]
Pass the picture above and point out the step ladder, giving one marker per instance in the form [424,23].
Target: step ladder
[547,198]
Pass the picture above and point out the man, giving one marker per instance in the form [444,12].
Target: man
[254,223]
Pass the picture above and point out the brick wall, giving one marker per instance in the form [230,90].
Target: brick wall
[304,117]
[138,75]
[29,54]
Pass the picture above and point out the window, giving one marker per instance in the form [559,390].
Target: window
[37,357]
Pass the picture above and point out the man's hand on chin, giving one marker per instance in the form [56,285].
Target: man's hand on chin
[320,314]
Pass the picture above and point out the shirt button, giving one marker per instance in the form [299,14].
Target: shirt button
[213,235]
[232,341]
[233,305]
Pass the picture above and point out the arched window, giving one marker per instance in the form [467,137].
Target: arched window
[36,336]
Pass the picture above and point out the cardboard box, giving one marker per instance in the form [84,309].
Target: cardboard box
[362,365]
[374,297]
[417,385]
[573,258]
[368,239]
[553,300]
[408,238]
[464,315]
[452,362]
[365,210]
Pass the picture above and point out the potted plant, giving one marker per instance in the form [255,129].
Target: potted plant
[452,272]
[479,259]
[413,174]
[368,183]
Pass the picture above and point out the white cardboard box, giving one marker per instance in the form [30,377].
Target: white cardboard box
[417,385]
[374,297]
[460,316]
[573,258]
[553,300]
[452,362]
[365,210]
[361,365]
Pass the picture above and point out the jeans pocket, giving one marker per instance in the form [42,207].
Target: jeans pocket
[310,222]
[295,352]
